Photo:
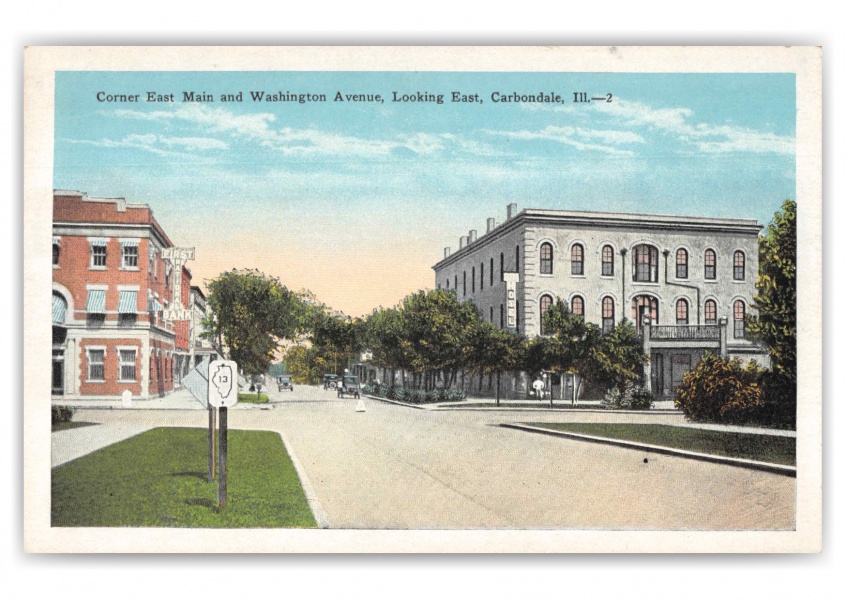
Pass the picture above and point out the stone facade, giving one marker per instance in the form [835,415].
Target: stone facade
[687,274]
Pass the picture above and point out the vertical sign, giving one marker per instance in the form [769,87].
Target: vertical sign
[223,393]
[511,280]
[177,258]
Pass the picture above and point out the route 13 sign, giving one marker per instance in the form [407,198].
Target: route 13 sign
[223,383]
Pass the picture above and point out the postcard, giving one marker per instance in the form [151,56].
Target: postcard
[422,299]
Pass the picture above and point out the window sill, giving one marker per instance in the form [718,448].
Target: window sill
[98,268]
[95,381]
[545,275]
[127,381]
[129,269]
[738,281]
[711,280]
[647,283]
[606,276]
[55,267]
[578,276]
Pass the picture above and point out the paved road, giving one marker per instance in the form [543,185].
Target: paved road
[398,467]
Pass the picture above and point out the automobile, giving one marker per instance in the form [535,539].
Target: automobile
[349,385]
[330,381]
[285,383]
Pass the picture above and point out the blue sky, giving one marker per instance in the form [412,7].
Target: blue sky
[356,201]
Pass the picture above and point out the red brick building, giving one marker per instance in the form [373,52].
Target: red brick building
[110,286]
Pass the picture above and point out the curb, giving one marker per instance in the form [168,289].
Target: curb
[726,460]
[398,403]
[435,407]
[320,515]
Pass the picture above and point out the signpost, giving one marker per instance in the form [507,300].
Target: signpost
[197,382]
[223,393]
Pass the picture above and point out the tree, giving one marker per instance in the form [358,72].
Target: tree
[336,338]
[492,350]
[620,358]
[382,336]
[775,303]
[251,314]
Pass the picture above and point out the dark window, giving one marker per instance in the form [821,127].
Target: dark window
[98,255]
[546,258]
[127,365]
[481,276]
[739,319]
[455,283]
[517,258]
[578,306]
[492,275]
[681,263]
[607,313]
[739,266]
[642,306]
[577,260]
[447,283]
[501,316]
[464,284]
[545,303]
[473,281]
[681,312]
[501,266]
[518,317]
[96,367]
[492,314]
[56,252]
[710,264]
[710,312]
[645,263]
[130,256]
[607,260]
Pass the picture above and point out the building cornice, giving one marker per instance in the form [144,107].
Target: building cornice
[77,228]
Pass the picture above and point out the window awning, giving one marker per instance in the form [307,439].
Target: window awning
[56,240]
[128,302]
[96,302]
[153,305]
[99,241]
[59,308]
[130,243]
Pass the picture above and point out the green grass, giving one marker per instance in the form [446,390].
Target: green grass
[159,479]
[253,398]
[533,406]
[63,425]
[766,448]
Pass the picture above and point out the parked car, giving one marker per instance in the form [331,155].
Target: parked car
[330,381]
[285,383]
[349,386]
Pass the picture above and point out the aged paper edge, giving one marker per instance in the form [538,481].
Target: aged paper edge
[40,64]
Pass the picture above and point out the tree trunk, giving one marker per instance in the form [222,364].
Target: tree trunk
[497,387]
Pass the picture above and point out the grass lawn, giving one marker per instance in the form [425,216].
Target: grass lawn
[766,448]
[61,426]
[253,398]
[159,479]
[533,406]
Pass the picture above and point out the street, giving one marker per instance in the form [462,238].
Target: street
[396,467]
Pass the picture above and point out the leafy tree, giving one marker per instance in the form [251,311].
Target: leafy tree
[336,338]
[492,350]
[775,303]
[251,314]
[382,335]
[620,358]
[721,390]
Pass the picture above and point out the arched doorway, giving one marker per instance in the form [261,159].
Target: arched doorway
[643,305]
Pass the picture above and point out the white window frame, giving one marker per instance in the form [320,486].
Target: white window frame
[134,243]
[88,350]
[122,363]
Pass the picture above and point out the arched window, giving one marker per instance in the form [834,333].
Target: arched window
[546,258]
[739,266]
[545,303]
[644,305]
[607,314]
[577,260]
[578,306]
[60,308]
[607,260]
[56,251]
[681,263]
[681,312]
[455,281]
[739,319]
[710,312]
[501,266]
[710,264]
[645,263]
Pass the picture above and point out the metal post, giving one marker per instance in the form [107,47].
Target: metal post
[223,447]
[211,444]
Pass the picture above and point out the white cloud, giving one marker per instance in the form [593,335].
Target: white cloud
[576,137]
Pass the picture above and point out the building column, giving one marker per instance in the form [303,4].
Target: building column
[647,350]
[71,366]
[145,367]
[723,337]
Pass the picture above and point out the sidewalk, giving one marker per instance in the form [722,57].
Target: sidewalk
[181,399]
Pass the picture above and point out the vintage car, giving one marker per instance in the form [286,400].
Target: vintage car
[349,386]
[285,383]
[330,381]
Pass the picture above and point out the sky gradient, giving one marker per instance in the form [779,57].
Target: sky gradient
[356,200]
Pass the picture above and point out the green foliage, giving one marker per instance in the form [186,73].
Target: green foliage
[619,359]
[253,398]
[775,303]
[62,414]
[720,390]
[251,314]
[629,397]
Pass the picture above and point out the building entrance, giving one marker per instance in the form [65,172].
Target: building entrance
[58,380]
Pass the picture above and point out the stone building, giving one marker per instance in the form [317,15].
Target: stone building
[111,291]
[686,282]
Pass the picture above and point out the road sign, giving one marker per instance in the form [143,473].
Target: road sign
[223,383]
[197,382]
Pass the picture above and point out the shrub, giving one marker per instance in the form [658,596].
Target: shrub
[719,390]
[632,397]
[456,395]
[62,414]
